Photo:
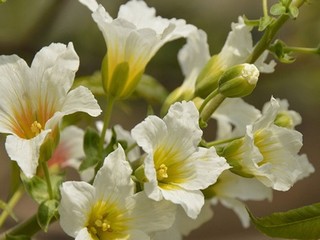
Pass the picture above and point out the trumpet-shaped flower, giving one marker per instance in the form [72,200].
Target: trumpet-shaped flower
[269,152]
[132,40]
[109,209]
[175,167]
[231,190]
[34,99]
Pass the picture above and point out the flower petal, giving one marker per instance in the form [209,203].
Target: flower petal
[76,201]
[56,63]
[25,151]
[84,235]
[81,100]
[116,172]
[191,201]
[151,215]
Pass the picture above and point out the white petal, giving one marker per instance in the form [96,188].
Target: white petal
[74,209]
[234,112]
[195,53]
[81,100]
[239,208]
[57,64]
[208,166]
[15,80]
[114,177]
[186,224]
[149,133]
[84,235]
[184,133]
[191,201]
[138,235]
[150,215]
[305,167]
[25,152]
[91,4]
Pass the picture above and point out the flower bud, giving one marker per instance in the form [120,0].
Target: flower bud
[239,80]
[283,119]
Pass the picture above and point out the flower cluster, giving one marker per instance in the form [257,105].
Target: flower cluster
[161,179]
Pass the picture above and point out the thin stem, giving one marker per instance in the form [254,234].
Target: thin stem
[106,121]
[12,202]
[207,99]
[218,142]
[265,7]
[47,178]
[302,50]
[269,35]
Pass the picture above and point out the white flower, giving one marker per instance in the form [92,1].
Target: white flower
[231,190]
[269,152]
[192,58]
[132,39]
[109,209]
[233,115]
[239,46]
[285,117]
[175,167]
[183,225]
[34,99]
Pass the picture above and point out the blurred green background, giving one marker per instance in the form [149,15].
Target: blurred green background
[27,26]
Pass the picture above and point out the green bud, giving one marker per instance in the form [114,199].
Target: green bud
[284,120]
[239,80]
[208,78]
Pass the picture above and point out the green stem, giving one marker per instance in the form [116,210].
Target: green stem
[218,142]
[265,8]
[27,228]
[47,178]
[302,50]
[12,202]
[106,121]
[269,35]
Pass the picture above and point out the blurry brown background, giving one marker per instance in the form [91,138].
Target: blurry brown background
[27,26]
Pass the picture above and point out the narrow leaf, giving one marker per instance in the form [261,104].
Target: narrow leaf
[300,223]
[46,211]
[90,146]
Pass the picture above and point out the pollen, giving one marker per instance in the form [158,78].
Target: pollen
[162,172]
[36,128]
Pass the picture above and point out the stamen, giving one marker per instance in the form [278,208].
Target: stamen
[36,128]
[162,172]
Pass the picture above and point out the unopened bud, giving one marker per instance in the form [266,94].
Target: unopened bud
[239,80]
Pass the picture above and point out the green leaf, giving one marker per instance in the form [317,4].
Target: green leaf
[265,22]
[46,212]
[150,90]
[300,223]
[91,148]
[36,188]
[93,82]
[280,52]
[293,11]
[278,9]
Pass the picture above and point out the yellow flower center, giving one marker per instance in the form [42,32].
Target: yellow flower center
[106,222]
[36,128]
[162,172]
